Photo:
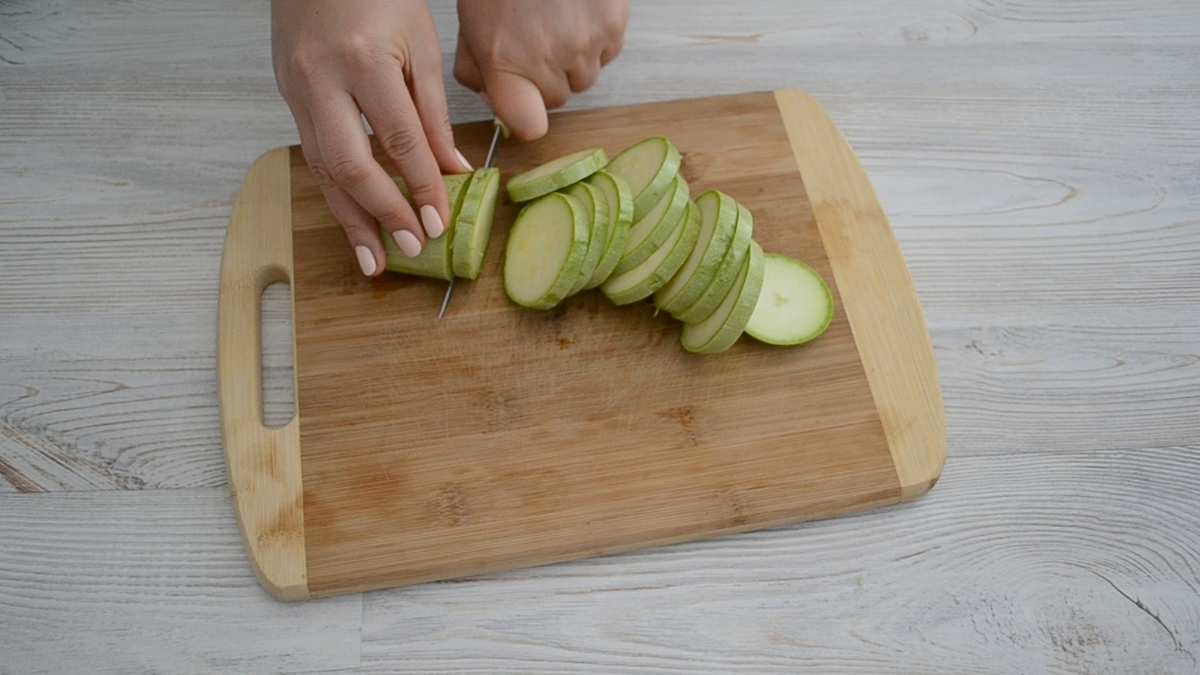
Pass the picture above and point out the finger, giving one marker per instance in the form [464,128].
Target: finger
[385,101]
[518,102]
[429,96]
[583,76]
[358,225]
[613,49]
[346,162]
[466,69]
[555,88]
[611,52]
[399,129]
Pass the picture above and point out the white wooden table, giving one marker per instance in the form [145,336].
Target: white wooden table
[1040,162]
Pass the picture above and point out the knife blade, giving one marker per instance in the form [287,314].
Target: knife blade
[487,164]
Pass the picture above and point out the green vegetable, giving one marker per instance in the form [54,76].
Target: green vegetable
[795,305]
[596,207]
[556,174]
[545,251]
[718,216]
[473,224]
[620,218]
[641,281]
[435,260]
[720,330]
[727,271]
[648,166]
[647,234]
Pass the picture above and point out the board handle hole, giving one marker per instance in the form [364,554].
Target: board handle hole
[278,361]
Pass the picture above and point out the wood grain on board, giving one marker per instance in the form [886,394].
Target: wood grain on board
[502,437]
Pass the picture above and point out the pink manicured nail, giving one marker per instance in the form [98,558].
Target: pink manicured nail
[366,259]
[432,221]
[407,242]
[464,161]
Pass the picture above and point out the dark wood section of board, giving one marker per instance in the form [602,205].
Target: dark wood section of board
[502,437]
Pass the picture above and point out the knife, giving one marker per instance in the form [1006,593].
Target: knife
[487,164]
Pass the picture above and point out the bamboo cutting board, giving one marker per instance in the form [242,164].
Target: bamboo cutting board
[502,437]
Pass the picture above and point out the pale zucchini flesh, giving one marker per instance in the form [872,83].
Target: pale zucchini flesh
[647,234]
[473,225]
[556,174]
[718,215]
[720,330]
[545,251]
[648,166]
[641,281]
[731,263]
[620,217]
[795,305]
[596,207]
[436,258]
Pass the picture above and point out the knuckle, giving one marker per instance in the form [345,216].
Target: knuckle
[581,43]
[616,23]
[556,96]
[423,189]
[346,171]
[491,54]
[400,142]
[462,73]
[305,65]
[321,174]
[361,52]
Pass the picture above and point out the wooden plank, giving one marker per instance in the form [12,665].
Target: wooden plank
[882,306]
[263,464]
[1077,562]
[500,437]
[150,582]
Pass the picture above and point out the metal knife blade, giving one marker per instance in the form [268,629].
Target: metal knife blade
[487,164]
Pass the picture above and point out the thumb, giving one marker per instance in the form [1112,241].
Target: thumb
[518,103]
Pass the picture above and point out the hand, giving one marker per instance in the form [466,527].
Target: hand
[525,56]
[336,61]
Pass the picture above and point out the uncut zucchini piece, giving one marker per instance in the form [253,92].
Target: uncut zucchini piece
[647,234]
[556,174]
[648,166]
[435,259]
[641,281]
[795,305]
[721,329]
[620,218]
[731,264]
[473,224]
[545,251]
[719,216]
[596,207]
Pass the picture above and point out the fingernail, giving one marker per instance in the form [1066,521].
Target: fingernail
[464,160]
[366,259]
[432,221]
[407,242]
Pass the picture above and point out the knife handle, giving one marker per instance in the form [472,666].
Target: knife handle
[263,464]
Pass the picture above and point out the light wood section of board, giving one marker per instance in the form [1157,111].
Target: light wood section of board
[880,301]
[263,464]
[502,437]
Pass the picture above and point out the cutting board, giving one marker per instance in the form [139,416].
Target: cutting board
[502,437]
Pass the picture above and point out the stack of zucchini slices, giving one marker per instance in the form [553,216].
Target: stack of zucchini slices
[630,228]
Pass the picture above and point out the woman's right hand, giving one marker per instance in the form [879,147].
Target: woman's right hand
[526,56]
[336,61]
